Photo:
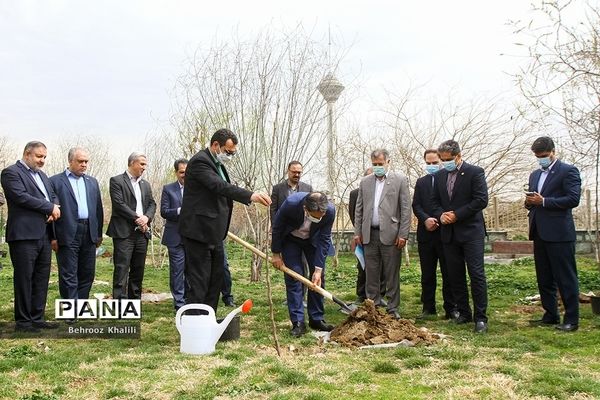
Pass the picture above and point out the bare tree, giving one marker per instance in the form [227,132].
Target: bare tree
[492,136]
[265,90]
[562,80]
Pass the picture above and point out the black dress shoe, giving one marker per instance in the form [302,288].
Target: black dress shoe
[27,329]
[45,325]
[298,329]
[480,327]
[320,325]
[542,321]
[395,314]
[567,327]
[452,315]
[462,319]
[229,302]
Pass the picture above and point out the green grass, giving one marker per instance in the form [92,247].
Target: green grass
[513,360]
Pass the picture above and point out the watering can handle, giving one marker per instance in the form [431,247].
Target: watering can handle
[194,306]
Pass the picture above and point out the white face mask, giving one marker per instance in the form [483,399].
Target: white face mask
[313,219]
[223,157]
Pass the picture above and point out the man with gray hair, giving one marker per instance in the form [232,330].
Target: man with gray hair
[133,209]
[302,225]
[79,231]
[381,224]
[458,199]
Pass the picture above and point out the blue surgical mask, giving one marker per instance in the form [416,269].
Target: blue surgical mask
[544,162]
[379,170]
[432,169]
[449,165]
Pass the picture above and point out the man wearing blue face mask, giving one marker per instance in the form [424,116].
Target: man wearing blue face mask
[430,243]
[554,190]
[459,197]
[381,224]
[302,226]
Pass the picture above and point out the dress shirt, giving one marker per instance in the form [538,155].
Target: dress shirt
[219,166]
[303,232]
[379,184]
[452,180]
[543,177]
[79,189]
[38,180]
[137,191]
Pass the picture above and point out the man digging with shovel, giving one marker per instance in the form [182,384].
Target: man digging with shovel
[303,225]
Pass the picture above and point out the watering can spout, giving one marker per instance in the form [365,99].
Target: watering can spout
[245,307]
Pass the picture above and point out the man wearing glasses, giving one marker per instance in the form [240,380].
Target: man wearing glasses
[291,185]
[205,216]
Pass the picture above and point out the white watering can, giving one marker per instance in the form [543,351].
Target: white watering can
[200,333]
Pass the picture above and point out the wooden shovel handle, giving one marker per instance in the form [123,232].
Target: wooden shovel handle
[283,268]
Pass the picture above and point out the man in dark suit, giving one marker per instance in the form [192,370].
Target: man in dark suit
[133,209]
[291,185]
[429,241]
[170,208]
[554,190]
[32,205]
[205,216]
[79,230]
[303,226]
[459,197]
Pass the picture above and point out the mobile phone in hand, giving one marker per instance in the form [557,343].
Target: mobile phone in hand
[530,193]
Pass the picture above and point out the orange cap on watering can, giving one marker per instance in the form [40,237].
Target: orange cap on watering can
[247,306]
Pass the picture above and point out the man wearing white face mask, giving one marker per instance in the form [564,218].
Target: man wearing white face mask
[430,243]
[302,225]
[381,223]
[205,215]
[459,197]
[554,190]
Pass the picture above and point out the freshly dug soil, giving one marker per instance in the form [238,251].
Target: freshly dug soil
[368,326]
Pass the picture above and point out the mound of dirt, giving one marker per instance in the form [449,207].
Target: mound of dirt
[368,326]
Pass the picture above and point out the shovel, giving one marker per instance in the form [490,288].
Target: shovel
[345,308]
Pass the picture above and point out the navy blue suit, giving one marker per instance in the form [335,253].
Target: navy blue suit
[430,249]
[288,218]
[28,236]
[552,230]
[464,240]
[77,238]
[170,203]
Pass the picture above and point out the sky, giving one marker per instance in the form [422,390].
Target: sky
[78,67]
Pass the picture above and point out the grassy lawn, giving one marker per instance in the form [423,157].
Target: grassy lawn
[512,361]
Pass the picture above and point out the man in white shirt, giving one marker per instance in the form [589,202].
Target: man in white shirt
[381,225]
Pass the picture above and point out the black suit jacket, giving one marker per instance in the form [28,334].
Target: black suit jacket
[66,226]
[553,222]
[469,198]
[423,208]
[208,200]
[28,209]
[280,193]
[352,204]
[170,201]
[122,198]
